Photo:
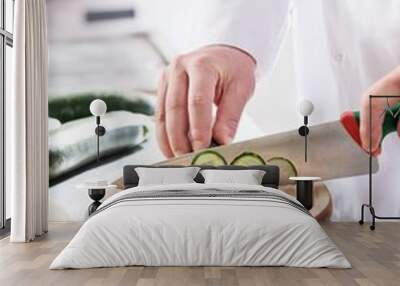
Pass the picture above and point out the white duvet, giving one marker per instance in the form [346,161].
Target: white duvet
[200,231]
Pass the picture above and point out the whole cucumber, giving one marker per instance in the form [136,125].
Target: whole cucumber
[72,107]
[74,144]
[77,154]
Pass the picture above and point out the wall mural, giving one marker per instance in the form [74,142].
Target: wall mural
[101,50]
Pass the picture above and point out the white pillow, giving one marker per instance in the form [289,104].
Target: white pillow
[248,177]
[165,176]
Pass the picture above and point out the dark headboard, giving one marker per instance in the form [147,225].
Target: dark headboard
[270,179]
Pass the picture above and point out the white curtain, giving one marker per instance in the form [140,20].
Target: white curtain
[26,121]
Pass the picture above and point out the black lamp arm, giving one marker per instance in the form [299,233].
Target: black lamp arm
[100,130]
[304,131]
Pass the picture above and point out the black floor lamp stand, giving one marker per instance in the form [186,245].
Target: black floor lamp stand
[96,194]
[370,203]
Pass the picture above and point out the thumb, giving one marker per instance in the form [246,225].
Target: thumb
[370,134]
[230,108]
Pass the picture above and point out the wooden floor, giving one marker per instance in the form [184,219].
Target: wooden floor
[375,257]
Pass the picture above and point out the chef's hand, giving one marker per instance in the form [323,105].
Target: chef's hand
[388,85]
[188,88]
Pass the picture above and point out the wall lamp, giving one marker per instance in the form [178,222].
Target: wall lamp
[305,108]
[98,108]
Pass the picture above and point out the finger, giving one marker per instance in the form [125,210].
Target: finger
[161,131]
[176,112]
[202,85]
[229,111]
[373,110]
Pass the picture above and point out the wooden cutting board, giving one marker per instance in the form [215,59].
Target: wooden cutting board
[322,201]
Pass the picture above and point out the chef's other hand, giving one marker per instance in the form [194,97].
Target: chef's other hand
[388,85]
[188,88]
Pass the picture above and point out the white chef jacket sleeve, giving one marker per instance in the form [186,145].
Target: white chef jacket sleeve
[255,26]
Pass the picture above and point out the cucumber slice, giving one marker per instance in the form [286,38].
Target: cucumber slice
[286,168]
[209,157]
[248,159]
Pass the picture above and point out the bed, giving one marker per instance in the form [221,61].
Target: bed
[201,224]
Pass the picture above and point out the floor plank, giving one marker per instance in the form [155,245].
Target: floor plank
[375,257]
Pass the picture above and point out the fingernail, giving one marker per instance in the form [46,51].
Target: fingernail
[223,140]
[227,140]
[197,145]
[365,146]
[178,153]
[181,150]
[377,152]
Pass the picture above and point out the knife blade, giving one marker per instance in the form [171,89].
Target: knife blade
[332,153]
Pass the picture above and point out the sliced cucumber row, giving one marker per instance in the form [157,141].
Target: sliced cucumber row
[213,158]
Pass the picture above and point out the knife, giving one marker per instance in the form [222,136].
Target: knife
[332,153]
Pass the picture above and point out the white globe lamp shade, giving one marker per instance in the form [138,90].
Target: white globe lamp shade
[98,107]
[305,107]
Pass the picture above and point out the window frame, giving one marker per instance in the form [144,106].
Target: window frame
[6,39]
